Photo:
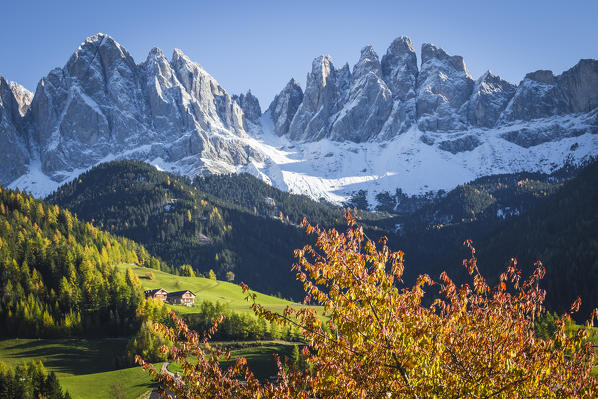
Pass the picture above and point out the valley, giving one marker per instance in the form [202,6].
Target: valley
[394,227]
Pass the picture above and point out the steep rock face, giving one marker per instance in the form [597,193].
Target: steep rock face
[399,68]
[250,106]
[580,85]
[22,96]
[14,155]
[175,115]
[101,104]
[491,94]
[380,100]
[344,82]
[399,71]
[170,106]
[368,104]
[320,102]
[444,85]
[213,106]
[92,103]
[537,96]
[284,106]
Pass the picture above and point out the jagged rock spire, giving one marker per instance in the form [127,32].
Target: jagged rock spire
[284,106]
[250,106]
[444,85]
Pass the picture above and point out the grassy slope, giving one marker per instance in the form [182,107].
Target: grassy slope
[206,289]
[85,368]
[66,357]
[134,382]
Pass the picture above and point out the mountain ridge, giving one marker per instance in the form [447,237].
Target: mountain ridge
[382,125]
[441,95]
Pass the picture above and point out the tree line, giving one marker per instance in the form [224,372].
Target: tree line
[29,381]
[57,274]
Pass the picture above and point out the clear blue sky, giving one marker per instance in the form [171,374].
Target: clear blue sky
[260,45]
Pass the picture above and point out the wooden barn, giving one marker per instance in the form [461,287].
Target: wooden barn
[157,293]
[185,297]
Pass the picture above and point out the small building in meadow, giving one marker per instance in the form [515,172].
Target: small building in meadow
[157,293]
[185,297]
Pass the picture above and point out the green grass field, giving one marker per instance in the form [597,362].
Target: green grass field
[206,289]
[66,357]
[85,368]
[133,382]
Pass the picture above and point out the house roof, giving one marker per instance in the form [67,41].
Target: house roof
[155,290]
[180,293]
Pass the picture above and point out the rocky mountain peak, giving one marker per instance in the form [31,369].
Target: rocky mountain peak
[184,66]
[343,81]
[537,96]
[101,53]
[486,76]
[14,155]
[491,83]
[178,57]
[490,96]
[321,69]
[368,63]
[250,106]
[369,98]
[320,102]
[444,85]
[284,106]
[399,68]
[580,85]
[401,45]
[542,76]
[155,53]
[156,62]
[22,96]
[430,53]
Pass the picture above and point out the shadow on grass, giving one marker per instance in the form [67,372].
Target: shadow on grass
[67,356]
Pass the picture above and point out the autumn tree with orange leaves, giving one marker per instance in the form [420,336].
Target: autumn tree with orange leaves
[379,340]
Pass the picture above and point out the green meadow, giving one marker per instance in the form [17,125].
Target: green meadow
[85,368]
[206,289]
[132,382]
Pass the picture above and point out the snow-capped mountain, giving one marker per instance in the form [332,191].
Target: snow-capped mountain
[380,100]
[14,155]
[381,125]
[22,96]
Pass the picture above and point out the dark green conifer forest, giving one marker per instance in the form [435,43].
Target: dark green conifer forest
[57,274]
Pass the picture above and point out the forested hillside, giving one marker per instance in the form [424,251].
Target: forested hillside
[238,224]
[259,197]
[562,232]
[29,381]
[57,274]
[183,225]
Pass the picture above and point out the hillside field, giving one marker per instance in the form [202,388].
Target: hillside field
[206,290]
[85,368]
